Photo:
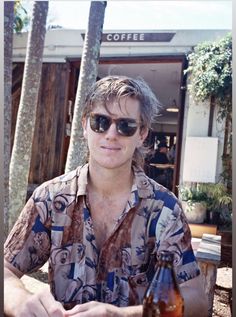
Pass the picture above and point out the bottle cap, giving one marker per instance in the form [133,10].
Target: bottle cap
[166,256]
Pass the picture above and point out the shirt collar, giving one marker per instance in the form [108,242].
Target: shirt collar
[141,188]
[142,184]
[82,180]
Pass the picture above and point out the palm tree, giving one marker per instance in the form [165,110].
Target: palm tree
[21,152]
[77,152]
[8,43]
[21,17]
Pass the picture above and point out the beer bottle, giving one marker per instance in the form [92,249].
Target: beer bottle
[163,297]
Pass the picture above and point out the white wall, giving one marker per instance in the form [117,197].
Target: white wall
[196,120]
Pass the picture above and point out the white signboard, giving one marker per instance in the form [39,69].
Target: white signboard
[200,159]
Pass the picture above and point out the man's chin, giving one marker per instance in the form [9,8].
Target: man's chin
[113,164]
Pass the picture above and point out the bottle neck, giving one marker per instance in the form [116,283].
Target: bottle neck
[165,273]
[166,264]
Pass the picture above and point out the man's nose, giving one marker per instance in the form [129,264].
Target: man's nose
[112,131]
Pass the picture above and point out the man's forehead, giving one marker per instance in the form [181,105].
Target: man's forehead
[124,106]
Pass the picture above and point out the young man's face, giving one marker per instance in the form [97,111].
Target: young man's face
[110,149]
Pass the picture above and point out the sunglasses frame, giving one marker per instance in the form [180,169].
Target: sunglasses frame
[117,121]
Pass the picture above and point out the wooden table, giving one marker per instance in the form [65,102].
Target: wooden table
[163,166]
[208,255]
[198,229]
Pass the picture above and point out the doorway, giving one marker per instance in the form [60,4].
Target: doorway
[164,74]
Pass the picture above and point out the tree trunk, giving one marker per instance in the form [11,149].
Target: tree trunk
[227,153]
[23,139]
[77,152]
[8,46]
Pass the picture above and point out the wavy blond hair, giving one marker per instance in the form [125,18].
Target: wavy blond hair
[113,88]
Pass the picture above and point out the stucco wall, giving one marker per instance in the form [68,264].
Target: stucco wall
[196,120]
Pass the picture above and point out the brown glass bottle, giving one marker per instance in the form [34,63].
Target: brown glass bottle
[163,297]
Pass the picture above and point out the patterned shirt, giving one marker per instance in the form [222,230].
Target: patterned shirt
[56,226]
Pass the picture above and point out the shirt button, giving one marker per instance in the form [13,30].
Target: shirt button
[139,281]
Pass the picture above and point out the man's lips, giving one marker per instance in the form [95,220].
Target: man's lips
[110,148]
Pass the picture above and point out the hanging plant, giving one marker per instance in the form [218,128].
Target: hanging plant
[210,70]
[21,17]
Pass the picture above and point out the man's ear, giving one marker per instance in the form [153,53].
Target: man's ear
[84,125]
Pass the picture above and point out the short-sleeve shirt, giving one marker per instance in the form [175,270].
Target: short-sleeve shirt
[56,226]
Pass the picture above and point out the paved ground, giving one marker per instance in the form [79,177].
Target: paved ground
[223,293]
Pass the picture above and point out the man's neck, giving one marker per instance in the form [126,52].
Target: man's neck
[108,182]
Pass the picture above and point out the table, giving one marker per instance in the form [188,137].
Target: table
[208,255]
[163,166]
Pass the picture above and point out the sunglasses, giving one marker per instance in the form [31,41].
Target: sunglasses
[124,126]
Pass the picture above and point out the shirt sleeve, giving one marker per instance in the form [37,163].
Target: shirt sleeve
[28,245]
[176,237]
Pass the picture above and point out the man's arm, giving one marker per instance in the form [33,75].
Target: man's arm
[97,309]
[195,299]
[192,292]
[18,301]
[13,288]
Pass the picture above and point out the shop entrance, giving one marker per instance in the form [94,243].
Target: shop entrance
[165,76]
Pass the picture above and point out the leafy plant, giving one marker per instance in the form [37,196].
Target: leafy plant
[193,194]
[210,69]
[218,197]
[220,201]
[194,203]
[21,17]
[214,196]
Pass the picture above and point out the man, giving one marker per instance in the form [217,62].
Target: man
[160,156]
[162,175]
[101,226]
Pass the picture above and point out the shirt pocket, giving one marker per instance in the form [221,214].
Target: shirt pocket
[139,282]
[142,256]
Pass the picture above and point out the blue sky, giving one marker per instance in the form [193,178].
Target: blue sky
[152,15]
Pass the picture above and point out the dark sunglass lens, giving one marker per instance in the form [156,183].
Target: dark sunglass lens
[127,127]
[99,123]
[93,123]
[104,123]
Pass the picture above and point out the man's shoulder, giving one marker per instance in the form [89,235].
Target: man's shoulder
[67,181]
[164,195]
[148,188]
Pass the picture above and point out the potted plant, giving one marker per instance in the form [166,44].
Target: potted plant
[212,198]
[194,202]
[219,204]
[220,211]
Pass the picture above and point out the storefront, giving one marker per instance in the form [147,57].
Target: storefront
[158,57]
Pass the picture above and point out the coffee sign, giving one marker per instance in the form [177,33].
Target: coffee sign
[123,37]
[136,37]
